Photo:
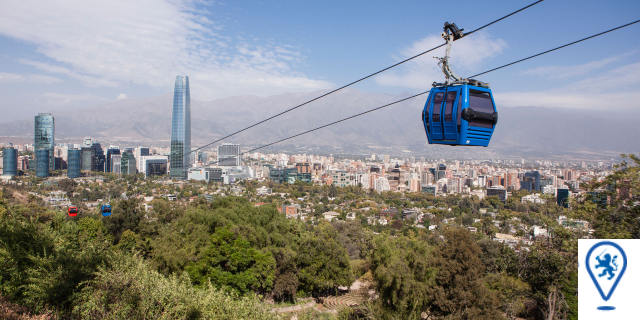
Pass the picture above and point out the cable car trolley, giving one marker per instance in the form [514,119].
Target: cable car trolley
[106,210]
[72,211]
[459,111]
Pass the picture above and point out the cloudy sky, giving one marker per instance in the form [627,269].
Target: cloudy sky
[69,54]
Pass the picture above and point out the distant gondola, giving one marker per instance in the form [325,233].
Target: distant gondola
[106,210]
[73,211]
[459,112]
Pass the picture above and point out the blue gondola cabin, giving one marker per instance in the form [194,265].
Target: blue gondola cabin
[106,210]
[461,114]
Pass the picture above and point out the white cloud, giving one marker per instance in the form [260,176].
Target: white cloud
[467,55]
[122,96]
[32,78]
[148,42]
[611,90]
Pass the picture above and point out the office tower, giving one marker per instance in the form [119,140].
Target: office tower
[139,153]
[74,163]
[386,158]
[128,163]
[108,167]
[42,163]
[534,178]
[497,191]
[44,136]
[116,163]
[10,161]
[86,158]
[562,197]
[180,129]
[97,158]
[229,154]
[153,165]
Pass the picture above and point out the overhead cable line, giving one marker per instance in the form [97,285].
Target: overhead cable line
[510,14]
[354,82]
[419,94]
[336,122]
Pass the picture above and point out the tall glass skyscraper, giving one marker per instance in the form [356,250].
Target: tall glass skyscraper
[44,136]
[10,161]
[74,163]
[180,129]
[127,163]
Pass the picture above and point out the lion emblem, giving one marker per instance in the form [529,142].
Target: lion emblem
[609,266]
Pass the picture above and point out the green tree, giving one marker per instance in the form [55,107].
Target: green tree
[459,291]
[231,262]
[322,262]
[402,277]
[125,215]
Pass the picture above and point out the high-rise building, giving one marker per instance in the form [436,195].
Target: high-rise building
[229,155]
[128,163]
[97,158]
[42,163]
[10,161]
[108,167]
[180,129]
[86,158]
[74,163]
[44,136]
[139,153]
[562,196]
[534,178]
[116,163]
[153,165]
[497,191]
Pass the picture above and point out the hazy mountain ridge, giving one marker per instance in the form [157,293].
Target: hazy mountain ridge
[400,125]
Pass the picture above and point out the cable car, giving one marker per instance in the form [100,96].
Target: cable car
[106,210]
[73,211]
[459,112]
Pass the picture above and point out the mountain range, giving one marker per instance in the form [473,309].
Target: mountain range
[520,131]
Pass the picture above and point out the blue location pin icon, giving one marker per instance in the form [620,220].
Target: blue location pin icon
[606,263]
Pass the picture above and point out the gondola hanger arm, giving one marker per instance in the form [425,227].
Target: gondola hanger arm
[450,34]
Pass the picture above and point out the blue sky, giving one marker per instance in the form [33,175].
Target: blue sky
[69,54]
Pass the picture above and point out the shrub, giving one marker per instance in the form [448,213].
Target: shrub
[130,289]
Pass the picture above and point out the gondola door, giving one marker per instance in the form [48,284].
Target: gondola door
[436,121]
[449,114]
